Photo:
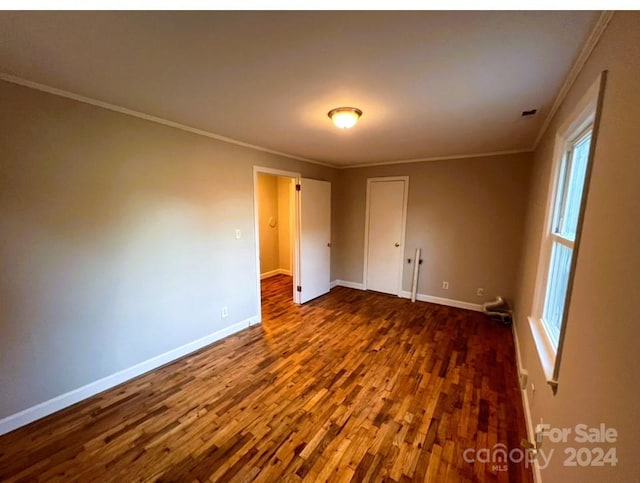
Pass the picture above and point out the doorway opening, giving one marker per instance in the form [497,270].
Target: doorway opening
[276,227]
[292,218]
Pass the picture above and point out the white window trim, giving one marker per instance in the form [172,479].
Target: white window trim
[584,115]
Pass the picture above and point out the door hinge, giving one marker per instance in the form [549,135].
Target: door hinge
[298,187]
[299,288]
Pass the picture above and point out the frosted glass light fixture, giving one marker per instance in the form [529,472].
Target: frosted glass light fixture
[345,117]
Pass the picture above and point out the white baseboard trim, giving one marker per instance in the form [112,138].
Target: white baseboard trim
[346,283]
[51,406]
[537,475]
[407,295]
[272,273]
[442,301]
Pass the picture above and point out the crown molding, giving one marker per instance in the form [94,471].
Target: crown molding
[148,117]
[596,32]
[436,158]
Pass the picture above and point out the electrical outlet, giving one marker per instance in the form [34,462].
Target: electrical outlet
[524,378]
[445,285]
[480,292]
[238,234]
[225,312]
[539,433]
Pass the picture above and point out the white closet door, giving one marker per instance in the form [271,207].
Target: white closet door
[385,236]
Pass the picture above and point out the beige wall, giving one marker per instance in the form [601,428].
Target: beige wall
[268,211]
[284,223]
[598,380]
[466,215]
[118,241]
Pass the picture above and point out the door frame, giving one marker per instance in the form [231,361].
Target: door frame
[405,201]
[295,231]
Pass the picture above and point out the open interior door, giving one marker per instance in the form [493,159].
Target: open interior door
[315,239]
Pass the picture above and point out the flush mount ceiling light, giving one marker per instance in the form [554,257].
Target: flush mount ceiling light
[345,117]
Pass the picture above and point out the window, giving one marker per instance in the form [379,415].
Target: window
[561,234]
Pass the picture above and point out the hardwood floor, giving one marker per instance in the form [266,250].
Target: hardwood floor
[351,386]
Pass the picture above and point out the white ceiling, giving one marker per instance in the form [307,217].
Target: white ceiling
[431,84]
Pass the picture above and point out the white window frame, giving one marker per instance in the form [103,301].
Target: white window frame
[584,118]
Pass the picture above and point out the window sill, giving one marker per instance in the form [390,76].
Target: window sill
[545,349]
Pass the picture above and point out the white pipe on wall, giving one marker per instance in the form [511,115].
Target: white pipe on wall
[416,266]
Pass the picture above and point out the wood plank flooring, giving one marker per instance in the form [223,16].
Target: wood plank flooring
[353,386]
